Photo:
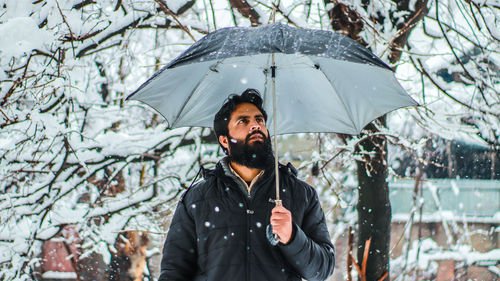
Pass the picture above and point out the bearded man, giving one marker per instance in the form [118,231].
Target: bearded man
[218,231]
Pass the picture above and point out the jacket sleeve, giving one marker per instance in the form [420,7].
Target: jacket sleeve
[179,259]
[310,251]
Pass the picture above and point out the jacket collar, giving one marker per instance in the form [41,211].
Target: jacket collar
[222,170]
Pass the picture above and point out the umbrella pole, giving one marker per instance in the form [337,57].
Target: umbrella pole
[273,77]
[274,239]
[276,168]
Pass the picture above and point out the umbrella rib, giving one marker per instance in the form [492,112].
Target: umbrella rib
[340,98]
[192,92]
[265,94]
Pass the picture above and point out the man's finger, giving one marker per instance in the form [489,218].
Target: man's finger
[280,209]
[279,219]
[280,215]
[278,222]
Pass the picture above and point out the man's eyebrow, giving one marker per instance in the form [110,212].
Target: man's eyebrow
[242,117]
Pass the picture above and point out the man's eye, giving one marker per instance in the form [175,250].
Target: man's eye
[260,120]
[242,121]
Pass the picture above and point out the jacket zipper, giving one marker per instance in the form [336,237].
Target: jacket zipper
[249,212]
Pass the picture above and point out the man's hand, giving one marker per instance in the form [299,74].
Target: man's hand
[281,220]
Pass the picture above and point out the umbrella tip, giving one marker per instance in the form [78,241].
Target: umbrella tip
[129,97]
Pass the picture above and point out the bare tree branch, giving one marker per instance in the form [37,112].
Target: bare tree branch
[246,10]
[163,6]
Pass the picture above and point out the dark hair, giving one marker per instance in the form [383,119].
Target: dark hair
[222,117]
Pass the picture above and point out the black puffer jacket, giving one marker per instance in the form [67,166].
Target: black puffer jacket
[219,231]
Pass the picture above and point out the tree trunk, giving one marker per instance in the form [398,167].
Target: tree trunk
[374,208]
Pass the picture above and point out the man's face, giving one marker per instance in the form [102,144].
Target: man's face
[247,119]
[248,142]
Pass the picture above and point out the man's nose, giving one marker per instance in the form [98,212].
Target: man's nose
[254,126]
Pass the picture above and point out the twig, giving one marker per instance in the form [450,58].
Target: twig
[361,269]
[385,276]
[81,38]
[421,208]
[213,13]
[16,84]
[206,14]
[462,35]
[6,117]
[452,49]
[333,157]
[427,74]
[349,253]
[247,11]
[363,277]
[141,230]
[83,4]
[276,8]
[142,175]
[484,20]
[67,24]
[134,23]
[408,25]
[415,197]
[168,12]
[365,256]
[118,4]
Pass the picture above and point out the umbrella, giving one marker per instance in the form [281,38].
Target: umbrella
[310,80]
[325,82]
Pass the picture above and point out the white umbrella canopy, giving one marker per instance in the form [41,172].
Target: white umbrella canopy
[324,82]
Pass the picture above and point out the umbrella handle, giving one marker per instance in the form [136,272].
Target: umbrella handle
[273,239]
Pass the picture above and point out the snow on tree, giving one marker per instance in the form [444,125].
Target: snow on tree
[73,153]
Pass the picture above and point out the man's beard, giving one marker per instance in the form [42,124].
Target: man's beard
[258,155]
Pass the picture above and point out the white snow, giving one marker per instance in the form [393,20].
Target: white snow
[20,36]
[175,5]
[59,275]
